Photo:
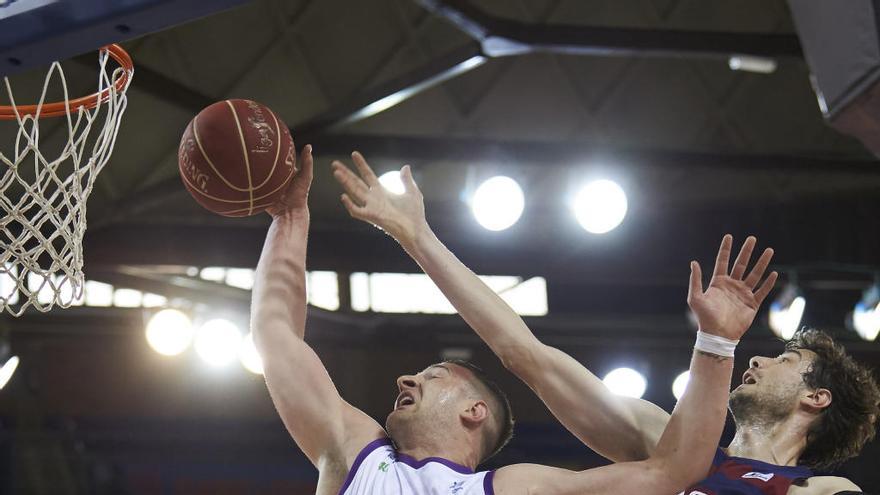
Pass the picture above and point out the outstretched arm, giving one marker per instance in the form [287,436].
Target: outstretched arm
[620,428]
[324,426]
[685,451]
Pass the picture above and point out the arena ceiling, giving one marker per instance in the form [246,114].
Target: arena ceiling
[639,91]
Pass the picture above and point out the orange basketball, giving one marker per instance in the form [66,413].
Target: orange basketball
[236,158]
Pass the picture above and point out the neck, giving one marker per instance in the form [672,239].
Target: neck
[778,442]
[451,448]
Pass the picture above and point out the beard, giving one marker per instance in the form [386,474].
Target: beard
[420,426]
[399,424]
[753,406]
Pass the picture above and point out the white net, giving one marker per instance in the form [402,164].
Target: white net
[43,198]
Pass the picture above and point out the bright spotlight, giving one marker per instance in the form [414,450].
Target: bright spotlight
[249,356]
[600,206]
[786,312]
[680,384]
[866,315]
[217,342]
[498,203]
[626,381]
[8,370]
[392,182]
[169,332]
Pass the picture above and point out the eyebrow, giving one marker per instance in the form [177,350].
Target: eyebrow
[438,366]
[794,351]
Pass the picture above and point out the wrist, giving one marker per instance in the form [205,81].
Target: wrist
[715,344]
[293,215]
[417,237]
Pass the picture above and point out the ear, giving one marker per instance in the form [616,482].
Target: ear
[476,413]
[816,400]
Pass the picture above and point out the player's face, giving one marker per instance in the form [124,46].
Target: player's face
[432,393]
[772,386]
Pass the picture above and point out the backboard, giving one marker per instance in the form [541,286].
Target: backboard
[36,32]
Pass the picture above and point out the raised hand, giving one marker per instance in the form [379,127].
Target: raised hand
[730,303]
[296,197]
[401,216]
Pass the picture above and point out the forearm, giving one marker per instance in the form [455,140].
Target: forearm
[491,318]
[279,293]
[618,429]
[688,444]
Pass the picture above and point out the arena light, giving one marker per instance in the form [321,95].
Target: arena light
[748,63]
[392,182]
[498,203]
[249,356]
[787,311]
[680,384]
[8,370]
[600,206]
[626,381]
[217,342]
[866,315]
[169,332]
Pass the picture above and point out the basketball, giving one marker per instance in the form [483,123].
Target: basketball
[236,158]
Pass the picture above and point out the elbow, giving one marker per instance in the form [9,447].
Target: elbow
[522,360]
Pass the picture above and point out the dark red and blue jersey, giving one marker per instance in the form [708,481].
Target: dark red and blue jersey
[740,476]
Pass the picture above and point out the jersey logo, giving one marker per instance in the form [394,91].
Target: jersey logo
[456,487]
[383,466]
[759,476]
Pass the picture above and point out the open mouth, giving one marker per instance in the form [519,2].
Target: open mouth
[748,378]
[404,399]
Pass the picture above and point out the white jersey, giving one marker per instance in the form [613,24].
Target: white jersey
[381,470]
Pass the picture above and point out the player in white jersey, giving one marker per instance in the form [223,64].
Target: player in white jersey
[379,468]
[447,419]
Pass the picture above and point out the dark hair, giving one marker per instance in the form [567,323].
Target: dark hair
[847,424]
[505,415]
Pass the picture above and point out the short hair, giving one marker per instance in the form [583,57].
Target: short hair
[848,423]
[504,415]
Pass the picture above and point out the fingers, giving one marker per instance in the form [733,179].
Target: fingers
[408,182]
[307,165]
[354,210]
[721,262]
[364,169]
[695,287]
[356,189]
[760,267]
[742,259]
[766,287]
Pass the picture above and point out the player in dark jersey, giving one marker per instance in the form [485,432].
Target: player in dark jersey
[810,407]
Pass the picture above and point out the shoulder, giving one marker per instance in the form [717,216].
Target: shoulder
[824,485]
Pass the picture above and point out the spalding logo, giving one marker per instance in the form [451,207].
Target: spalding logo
[197,177]
[258,122]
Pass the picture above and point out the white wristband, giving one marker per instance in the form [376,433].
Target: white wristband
[714,344]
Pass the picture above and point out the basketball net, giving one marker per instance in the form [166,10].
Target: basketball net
[43,198]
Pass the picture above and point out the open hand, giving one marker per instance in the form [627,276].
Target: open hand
[296,197]
[728,307]
[401,216]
